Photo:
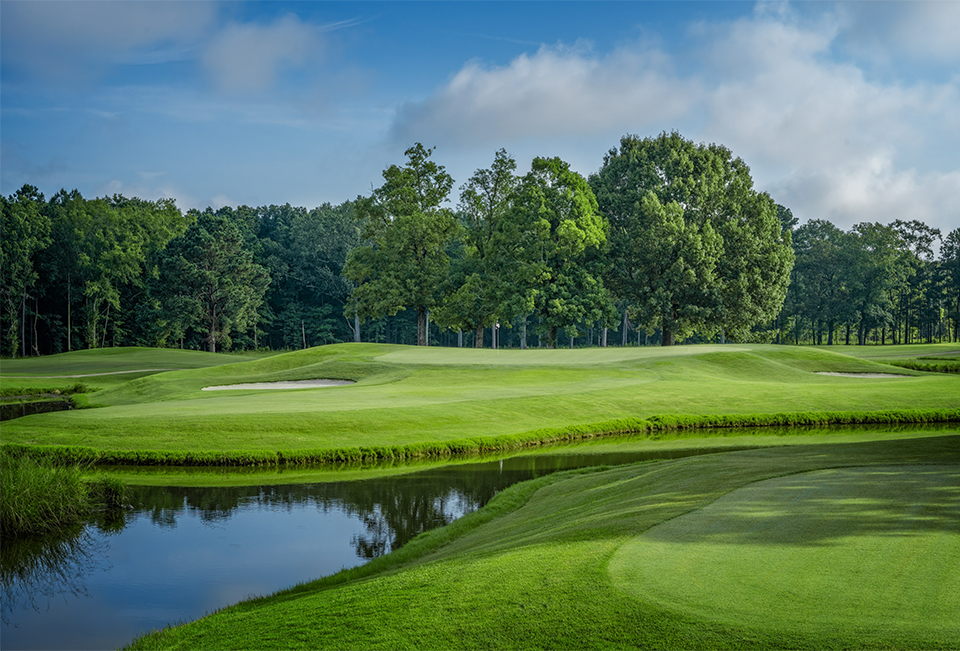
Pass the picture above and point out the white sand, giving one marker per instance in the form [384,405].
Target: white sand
[863,374]
[296,384]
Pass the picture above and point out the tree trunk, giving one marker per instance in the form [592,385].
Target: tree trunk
[356,328]
[666,336]
[623,339]
[69,322]
[23,323]
[460,338]
[523,335]
[421,326]
[571,343]
[478,337]
[426,328]
[603,340]
[551,337]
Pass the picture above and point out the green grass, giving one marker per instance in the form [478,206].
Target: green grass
[831,546]
[410,401]
[103,367]
[41,498]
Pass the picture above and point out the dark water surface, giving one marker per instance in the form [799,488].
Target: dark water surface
[184,552]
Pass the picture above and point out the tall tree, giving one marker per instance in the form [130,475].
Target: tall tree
[406,231]
[950,259]
[821,276]
[553,223]
[213,277]
[25,232]
[479,278]
[726,266]
[874,269]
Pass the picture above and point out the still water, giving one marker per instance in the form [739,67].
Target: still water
[184,552]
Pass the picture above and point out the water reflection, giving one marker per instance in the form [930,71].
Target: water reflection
[11,410]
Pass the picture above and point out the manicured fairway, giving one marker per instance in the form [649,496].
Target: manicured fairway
[107,367]
[814,552]
[559,562]
[409,396]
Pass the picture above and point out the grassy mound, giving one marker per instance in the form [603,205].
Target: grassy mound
[542,565]
[410,401]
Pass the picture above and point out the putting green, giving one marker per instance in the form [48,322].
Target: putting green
[871,549]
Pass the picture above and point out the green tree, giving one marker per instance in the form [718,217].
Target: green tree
[406,232]
[25,231]
[876,270]
[479,278]
[726,267]
[553,224]
[950,260]
[821,276]
[213,279]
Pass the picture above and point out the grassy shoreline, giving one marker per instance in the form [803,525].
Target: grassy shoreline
[546,563]
[652,426]
[39,497]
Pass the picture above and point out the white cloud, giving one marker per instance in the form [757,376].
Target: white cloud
[822,135]
[920,29]
[555,91]
[826,140]
[249,57]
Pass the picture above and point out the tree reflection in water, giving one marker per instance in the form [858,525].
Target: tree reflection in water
[33,572]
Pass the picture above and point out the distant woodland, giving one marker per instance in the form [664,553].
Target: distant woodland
[668,242]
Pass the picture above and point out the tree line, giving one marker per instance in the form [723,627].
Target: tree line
[667,242]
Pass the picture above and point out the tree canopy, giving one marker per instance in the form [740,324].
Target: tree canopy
[693,245]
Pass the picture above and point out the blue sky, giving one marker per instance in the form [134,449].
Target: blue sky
[847,111]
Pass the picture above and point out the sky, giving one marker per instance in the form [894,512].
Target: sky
[844,111]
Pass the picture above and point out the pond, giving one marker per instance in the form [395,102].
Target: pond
[183,552]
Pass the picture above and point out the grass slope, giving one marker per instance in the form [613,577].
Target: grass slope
[106,367]
[553,563]
[407,397]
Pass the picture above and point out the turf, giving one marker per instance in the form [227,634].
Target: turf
[408,396]
[564,562]
[105,367]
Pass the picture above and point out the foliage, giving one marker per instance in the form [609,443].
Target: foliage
[26,232]
[406,231]
[553,226]
[480,287]
[693,246]
[215,279]
[685,249]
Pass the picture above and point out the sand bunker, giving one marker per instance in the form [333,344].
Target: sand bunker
[863,374]
[295,384]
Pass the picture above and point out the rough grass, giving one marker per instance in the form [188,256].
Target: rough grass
[410,401]
[38,497]
[542,566]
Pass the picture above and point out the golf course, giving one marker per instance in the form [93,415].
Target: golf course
[817,534]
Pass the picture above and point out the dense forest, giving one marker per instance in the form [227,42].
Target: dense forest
[667,242]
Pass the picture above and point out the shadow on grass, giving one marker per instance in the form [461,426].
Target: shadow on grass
[827,507]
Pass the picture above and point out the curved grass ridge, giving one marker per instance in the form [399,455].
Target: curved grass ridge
[622,426]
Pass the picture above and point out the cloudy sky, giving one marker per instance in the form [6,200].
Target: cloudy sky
[847,111]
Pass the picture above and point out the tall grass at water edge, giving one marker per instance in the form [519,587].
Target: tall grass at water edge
[40,497]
